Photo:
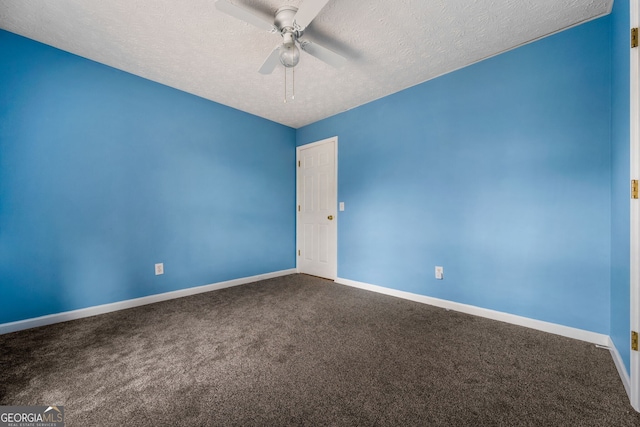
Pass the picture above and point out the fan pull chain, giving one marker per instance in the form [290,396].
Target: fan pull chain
[285,85]
[293,83]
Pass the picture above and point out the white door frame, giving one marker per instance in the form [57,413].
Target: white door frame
[335,181]
[634,154]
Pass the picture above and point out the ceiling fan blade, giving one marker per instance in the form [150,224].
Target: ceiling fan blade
[307,11]
[244,15]
[323,54]
[270,63]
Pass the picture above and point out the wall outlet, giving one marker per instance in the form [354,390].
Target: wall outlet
[159,269]
[439,272]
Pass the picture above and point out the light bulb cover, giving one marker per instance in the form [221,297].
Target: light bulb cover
[289,55]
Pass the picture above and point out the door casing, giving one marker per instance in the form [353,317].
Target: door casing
[634,154]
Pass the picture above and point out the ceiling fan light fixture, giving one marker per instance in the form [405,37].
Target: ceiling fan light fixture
[289,55]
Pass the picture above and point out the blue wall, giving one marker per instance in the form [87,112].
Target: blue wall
[500,172]
[620,292]
[103,174]
[511,173]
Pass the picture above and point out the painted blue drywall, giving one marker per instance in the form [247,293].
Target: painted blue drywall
[500,172]
[103,174]
[620,232]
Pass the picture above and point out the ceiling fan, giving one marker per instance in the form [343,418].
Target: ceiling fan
[290,22]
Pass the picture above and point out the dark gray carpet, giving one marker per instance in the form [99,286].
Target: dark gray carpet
[299,350]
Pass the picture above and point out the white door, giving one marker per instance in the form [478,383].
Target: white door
[317,230]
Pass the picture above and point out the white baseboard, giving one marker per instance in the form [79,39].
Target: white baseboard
[554,328]
[35,322]
[622,370]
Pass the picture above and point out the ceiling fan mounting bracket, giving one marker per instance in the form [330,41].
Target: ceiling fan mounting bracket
[284,22]
[284,17]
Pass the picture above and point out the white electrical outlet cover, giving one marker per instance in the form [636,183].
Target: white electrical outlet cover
[159,269]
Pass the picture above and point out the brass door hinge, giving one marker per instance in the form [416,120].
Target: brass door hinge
[298,252]
[634,188]
[298,163]
[299,207]
[634,37]
[634,341]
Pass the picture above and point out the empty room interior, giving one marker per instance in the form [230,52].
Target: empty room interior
[409,213]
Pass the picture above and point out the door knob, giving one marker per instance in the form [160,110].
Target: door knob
[330,217]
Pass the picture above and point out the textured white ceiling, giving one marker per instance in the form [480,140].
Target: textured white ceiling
[390,44]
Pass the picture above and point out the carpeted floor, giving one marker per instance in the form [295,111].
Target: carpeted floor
[299,350]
